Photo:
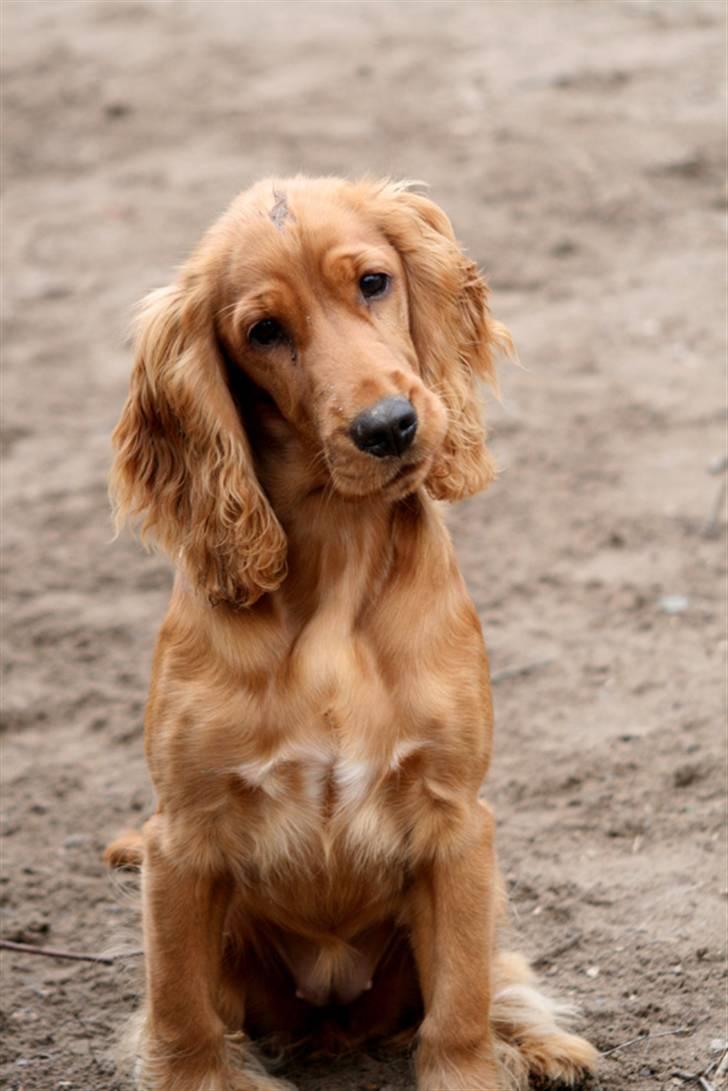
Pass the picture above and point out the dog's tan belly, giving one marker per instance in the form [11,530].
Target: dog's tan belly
[327,864]
[329,970]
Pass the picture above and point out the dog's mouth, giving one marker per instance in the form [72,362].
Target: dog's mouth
[407,478]
[389,478]
[337,464]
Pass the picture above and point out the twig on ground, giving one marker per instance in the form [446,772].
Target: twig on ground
[57,952]
[519,672]
[718,466]
[710,529]
[720,1065]
[695,1077]
[549,957]
[648,1038]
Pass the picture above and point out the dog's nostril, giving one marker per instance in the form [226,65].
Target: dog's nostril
[388,428]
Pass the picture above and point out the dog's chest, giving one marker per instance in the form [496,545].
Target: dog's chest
[334,764]
[341,817]
[336,720]
[318,776]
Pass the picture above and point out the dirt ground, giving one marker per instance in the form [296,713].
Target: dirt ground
[579,148]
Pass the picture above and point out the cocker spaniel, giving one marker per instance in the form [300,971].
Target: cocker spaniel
[320,866]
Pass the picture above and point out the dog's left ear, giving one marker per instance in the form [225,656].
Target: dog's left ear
[183,460]
[453,333]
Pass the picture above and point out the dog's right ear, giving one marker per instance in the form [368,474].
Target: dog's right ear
[453,332]
[183,461]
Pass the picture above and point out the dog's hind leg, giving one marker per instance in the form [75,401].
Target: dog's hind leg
[530,1038]
[126,850]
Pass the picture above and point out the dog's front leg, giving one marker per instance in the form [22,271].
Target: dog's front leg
[452,937]
[184,912]
[183,1045]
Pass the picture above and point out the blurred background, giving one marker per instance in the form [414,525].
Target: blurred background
[579,148]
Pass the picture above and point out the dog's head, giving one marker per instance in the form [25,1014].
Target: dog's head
[347,314]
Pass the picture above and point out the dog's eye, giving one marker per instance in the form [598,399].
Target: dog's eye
[265,333]
[374,284]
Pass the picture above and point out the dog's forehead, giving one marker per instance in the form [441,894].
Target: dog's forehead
[282,227]
[315,218]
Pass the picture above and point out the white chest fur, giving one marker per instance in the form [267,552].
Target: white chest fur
[321,770]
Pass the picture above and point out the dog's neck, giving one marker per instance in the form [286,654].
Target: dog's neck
[339,548]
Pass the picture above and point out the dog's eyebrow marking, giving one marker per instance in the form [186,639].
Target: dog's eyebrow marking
[280,211]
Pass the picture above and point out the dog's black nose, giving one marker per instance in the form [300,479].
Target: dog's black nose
[388,428]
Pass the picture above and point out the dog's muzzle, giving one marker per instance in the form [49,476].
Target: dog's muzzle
[387,429]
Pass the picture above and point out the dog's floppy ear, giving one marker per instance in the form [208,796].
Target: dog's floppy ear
[183,462]
[453,333]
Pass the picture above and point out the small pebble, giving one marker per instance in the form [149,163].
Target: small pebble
[673,604]
[687,774]
[593,971]
[76,840]
[718,464]
[115,110]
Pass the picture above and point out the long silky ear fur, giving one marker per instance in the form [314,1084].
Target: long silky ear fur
[453,333]
[183,463]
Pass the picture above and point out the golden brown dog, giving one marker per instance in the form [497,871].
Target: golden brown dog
[319,724]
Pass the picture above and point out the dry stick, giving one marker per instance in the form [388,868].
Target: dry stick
[57,952]
[550,956]
[518,672]
[648,1038]
[695,1077]
[714,1064]
[711,527]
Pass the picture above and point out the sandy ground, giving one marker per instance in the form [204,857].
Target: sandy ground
[579,148]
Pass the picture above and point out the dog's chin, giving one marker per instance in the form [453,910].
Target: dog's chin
[390,479]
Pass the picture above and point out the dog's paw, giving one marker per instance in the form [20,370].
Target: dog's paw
[562,1059]
[176,1079]
[248,1065]
[233,1071]
[227,1064]
[256,1081]
[475,1073]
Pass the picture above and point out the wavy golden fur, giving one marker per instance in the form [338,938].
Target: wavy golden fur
[320,866]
